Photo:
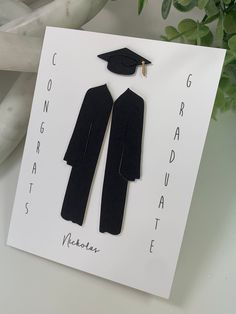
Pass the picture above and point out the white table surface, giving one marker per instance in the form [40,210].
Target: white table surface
[205,279]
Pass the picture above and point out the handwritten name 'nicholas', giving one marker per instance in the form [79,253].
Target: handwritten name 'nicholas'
[69,241]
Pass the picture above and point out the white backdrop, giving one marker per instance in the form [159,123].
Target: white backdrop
[205,277]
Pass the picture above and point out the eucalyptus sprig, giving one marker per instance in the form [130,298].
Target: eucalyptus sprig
[221,15]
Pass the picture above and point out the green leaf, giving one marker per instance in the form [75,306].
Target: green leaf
[230,57]
[203,30]
[165,8]
[207,40]
[187,25]
[212,18]
[202,3]
[211,9]
[214,113]
[227,86]
[187,28]
[227,103]
[224,82]
[230,71]
[230,23]
[184,8]
[232,43]
[219,101]
[140,5]
[198,33]
[219,31]
[184,2]
[230,90]
[226,2]
[171,32]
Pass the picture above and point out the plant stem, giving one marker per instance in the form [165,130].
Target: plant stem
[181,34]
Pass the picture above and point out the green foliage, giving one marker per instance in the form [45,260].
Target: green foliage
[211,9]
[165,8]
[232,43]
[221,14]
[140,5]
[230,22]
[184,5]
[202,4]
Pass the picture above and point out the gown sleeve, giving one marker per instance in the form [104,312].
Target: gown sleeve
[131,156]
[79,139]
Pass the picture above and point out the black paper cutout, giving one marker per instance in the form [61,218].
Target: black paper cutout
[83,151]
[123,159]
[123,61]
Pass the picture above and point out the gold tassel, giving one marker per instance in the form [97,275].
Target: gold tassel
[143,68]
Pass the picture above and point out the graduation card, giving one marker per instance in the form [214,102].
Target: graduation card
[114,142]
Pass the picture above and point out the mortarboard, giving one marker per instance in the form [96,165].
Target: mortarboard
[123,61]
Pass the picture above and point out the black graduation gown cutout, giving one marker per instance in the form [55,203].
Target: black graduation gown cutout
[83,151]
[123,159]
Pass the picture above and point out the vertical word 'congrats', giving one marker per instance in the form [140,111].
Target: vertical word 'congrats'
[38,144]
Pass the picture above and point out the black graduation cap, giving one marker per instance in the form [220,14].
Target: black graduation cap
[123,61]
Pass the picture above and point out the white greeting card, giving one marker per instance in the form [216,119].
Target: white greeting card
[177,94]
